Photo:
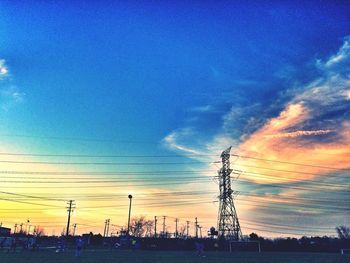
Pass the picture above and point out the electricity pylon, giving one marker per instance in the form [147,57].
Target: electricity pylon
[228,224]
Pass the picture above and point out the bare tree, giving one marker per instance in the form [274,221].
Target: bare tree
[123,230]
[138,226]
[149,227]
[39,231]
[63,233]
[182,230]
[343,232]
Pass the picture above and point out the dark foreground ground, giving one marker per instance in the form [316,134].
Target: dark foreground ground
[108,256]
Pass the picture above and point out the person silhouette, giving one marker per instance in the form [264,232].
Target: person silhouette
[79,246]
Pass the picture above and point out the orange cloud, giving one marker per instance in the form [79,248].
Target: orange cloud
[272,143]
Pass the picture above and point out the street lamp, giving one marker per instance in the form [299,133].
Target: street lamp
[130,198]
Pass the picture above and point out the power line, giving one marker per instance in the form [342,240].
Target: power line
[157,172]
[276,232]
[104,163]
[181,194]
[308,181]
[25,202]
[154,204]
[61,138]
[104,155]
[31,196]
[287,206]
[279,203]
[294,163]
[155,194]
[104,173]
[308,188]
[277,225]
[281,170]
[84,180]
[95,186]
[99,180]
[148,172]
[155,156]
[166,183]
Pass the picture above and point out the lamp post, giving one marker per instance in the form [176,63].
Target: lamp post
[130,198]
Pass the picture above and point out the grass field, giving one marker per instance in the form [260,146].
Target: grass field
[101,256]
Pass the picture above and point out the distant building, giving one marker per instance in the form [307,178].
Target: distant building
[4,231]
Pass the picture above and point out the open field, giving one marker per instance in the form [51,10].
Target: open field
[103,256]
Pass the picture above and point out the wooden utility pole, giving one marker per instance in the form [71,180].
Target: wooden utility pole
[69,209]
[176,220]
[164,225]
[155,226]
[74,227]
[187,227]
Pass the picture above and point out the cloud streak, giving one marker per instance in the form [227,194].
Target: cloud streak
[171,141]
[299,133]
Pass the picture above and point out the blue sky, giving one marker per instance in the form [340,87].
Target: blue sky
[136,70]
[171,77]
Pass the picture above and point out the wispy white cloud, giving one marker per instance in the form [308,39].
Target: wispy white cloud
[11,96]
[206,108]
[171,141]
[3,68]
[341,56]
[18,96]
[298,134]
[219,143]
[241,116]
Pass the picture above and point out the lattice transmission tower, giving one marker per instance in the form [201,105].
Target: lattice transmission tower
[228,224]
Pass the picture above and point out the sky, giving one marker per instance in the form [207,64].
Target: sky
[103,99]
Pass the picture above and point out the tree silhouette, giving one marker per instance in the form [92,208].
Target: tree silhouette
[343,232]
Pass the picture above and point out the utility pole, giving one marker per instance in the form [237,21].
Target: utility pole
[104,231]
[187,227]
[196,224]
[176,220]
[27,226]
[164,225]
[74,227]
[107,230]
[228,224]
[15,229]
[155,226]
[70,210]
